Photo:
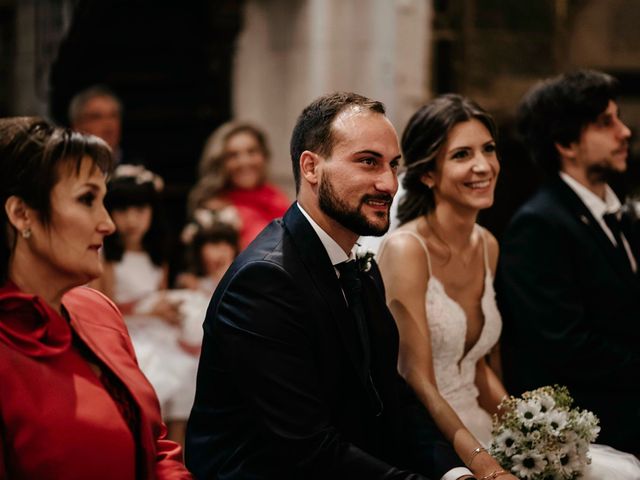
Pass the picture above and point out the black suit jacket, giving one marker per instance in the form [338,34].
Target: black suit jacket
[280,392]
[571,309]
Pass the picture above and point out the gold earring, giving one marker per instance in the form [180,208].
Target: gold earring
[26,233]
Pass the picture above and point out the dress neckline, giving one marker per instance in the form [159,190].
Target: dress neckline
[433,280]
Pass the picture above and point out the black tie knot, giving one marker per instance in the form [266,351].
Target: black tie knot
[349,278]
[619,226]
[352,288]
[615,225]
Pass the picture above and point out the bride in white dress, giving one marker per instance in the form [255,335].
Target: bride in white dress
[438,271]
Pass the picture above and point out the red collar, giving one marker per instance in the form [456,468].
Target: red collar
[29,325]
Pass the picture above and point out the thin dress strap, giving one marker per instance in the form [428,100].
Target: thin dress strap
[422,244]
[485,250]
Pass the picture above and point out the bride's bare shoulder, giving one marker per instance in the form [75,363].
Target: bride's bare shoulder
[403,242]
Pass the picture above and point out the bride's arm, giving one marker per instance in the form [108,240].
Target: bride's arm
[404,270]
[490,387]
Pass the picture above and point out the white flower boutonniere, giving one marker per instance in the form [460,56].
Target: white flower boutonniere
[364,257]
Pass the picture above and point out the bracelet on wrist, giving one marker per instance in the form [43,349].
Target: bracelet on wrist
[474,454]
[494,474]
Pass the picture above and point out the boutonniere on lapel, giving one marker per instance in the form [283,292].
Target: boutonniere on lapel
[364,257]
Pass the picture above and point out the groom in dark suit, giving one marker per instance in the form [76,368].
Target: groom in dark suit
[297,377]
[568,283]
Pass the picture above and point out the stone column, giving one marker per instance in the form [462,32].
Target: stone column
[292,51]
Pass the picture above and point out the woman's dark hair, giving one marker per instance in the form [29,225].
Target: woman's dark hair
[425,134]
[134,186]
[217,233]
[32,152]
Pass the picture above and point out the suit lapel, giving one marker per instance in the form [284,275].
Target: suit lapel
[319,267]
[584,216]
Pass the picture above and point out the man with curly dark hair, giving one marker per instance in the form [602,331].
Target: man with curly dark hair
[568,280]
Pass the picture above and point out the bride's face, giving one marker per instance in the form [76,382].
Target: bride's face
[466,168]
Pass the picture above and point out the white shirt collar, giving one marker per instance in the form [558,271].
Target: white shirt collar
[335,252]
[595,204]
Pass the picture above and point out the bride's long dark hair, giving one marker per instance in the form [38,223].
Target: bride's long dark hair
[424,136]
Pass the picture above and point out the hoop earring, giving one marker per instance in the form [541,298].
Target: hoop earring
[26,233]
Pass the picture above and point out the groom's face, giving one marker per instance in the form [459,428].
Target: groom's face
[359,178]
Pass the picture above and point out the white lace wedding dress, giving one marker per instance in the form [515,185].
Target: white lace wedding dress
[455,370]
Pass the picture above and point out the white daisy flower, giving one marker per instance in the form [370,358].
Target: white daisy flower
[507,441]
[556,420]
[528,464]
[529,412]
[547,403]
[569,462]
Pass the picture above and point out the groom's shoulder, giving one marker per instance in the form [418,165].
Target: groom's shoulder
[266,246]
[272,249]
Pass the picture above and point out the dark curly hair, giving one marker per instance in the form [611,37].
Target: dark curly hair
[557,109]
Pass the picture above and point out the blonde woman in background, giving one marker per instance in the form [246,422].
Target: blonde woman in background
[233,171]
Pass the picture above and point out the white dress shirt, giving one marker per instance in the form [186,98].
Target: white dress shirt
[337,255]
[335,251]
[599,208]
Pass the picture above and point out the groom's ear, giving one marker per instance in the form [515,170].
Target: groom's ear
[309,167]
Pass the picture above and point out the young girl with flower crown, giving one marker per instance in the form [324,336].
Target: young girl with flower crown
[136,278]
[213,242]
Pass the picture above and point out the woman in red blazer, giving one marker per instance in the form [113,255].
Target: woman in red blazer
[73,402]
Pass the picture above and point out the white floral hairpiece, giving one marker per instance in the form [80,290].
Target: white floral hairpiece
[140,175]
[204,218]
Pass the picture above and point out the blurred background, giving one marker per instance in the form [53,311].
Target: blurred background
[183,68]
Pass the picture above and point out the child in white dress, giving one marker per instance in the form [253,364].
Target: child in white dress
[136,278]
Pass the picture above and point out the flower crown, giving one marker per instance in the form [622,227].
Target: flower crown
[140,175]
[204,218]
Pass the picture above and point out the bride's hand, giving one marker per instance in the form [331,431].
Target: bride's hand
[485,467]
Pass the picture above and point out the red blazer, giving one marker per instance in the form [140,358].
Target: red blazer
[256,208]
[56,419]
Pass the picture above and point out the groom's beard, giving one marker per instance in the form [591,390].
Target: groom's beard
[349,217]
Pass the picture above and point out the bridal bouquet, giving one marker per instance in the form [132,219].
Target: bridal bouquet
[540,437]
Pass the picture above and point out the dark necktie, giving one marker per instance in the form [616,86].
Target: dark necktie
[615,225]
[352,288]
